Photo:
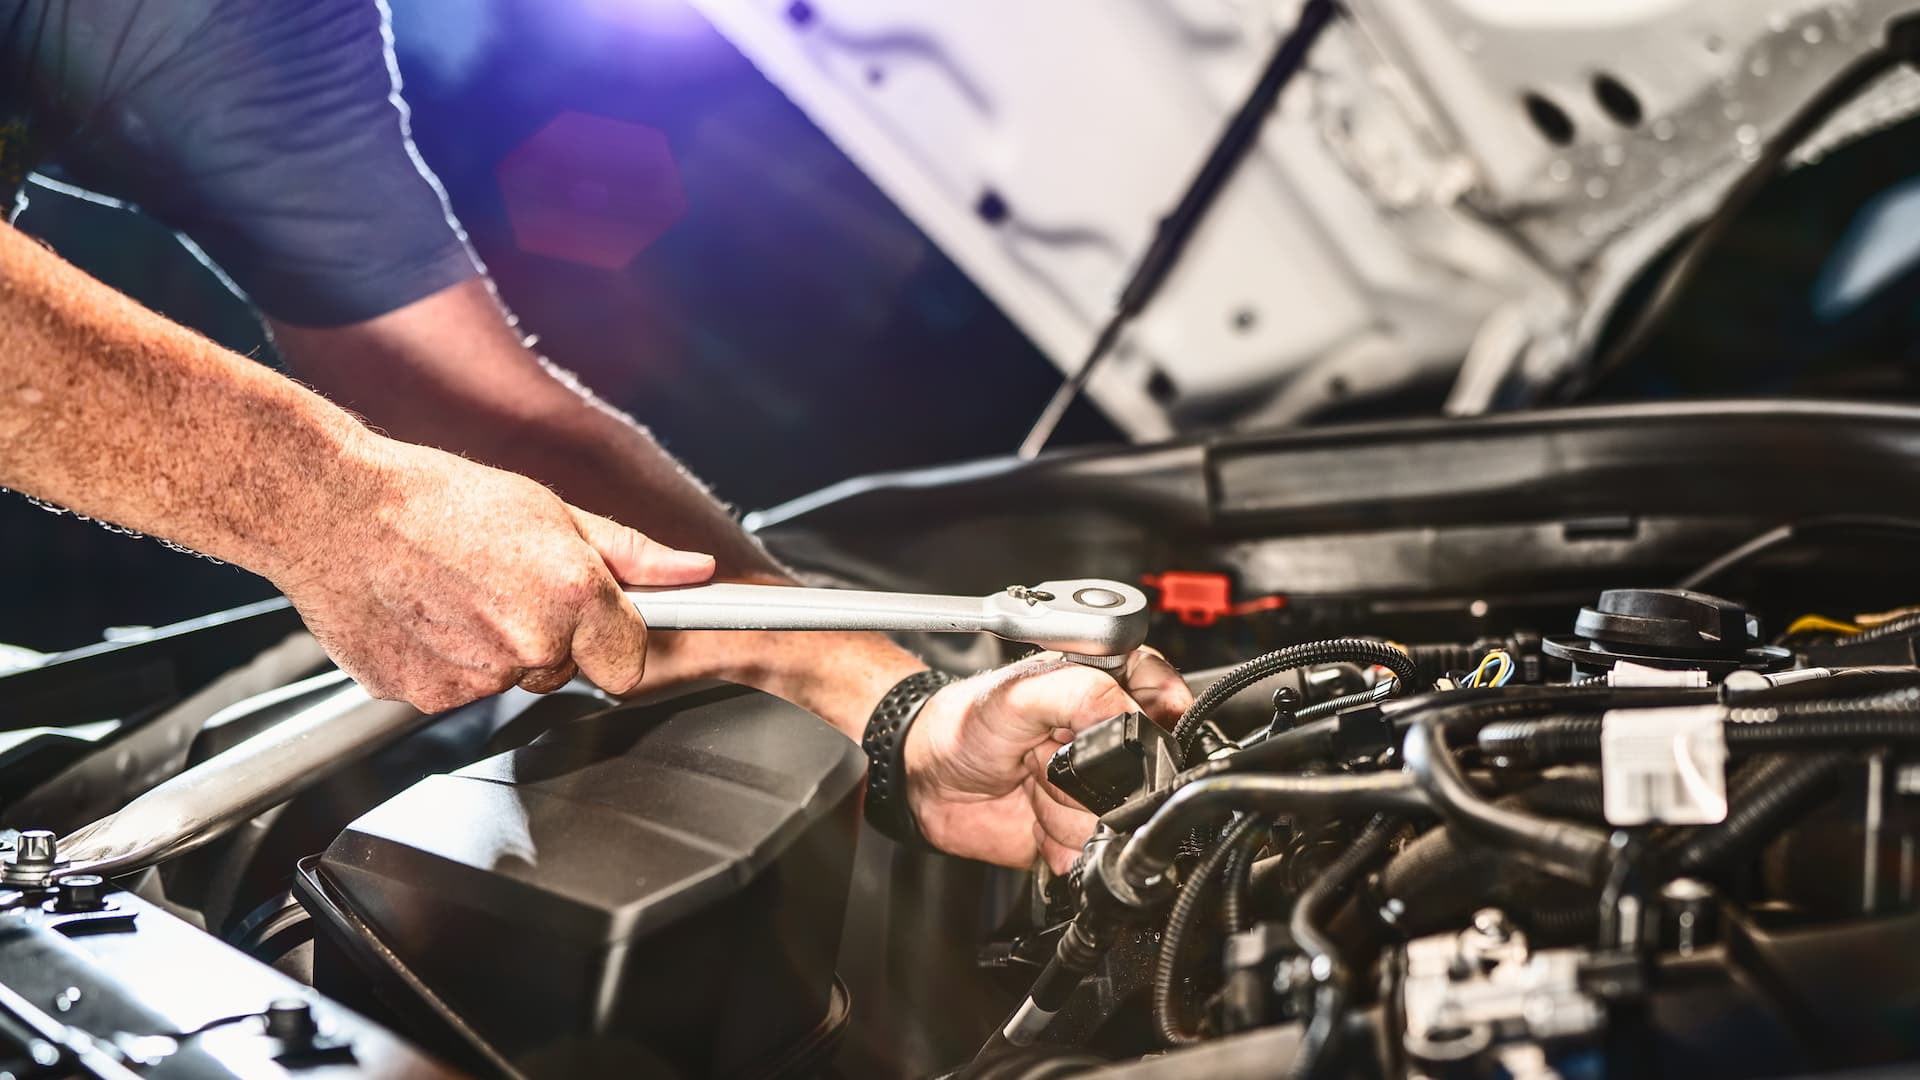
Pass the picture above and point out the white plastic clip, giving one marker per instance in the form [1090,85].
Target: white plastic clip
[1664,766]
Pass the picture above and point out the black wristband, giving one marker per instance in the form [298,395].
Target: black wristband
[885,742]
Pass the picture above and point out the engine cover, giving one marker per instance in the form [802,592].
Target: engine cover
[651,890]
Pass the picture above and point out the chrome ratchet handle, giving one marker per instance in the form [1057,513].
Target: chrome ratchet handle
[1091,620]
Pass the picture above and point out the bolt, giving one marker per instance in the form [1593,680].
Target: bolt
[34,856]
[66,999]
[1492,923]
[37,847]
[80,892]
[291,1021]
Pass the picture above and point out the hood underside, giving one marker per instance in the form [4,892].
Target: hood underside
[1455,189]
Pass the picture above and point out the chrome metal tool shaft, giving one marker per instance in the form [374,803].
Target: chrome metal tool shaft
[1091,620]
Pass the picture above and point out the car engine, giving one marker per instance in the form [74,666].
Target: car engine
[1595,767]
[1573,743]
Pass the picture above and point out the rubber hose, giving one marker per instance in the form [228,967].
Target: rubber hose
[1563,739]
[1333,651]
[1787,788]
[1237,880]
[1550,740]
[1314,742]
[1152,847]
[1186,907]
[1566,849]
[1311,907]
[1315,1058]
[1425,864]
[1444,873]
[1469,710]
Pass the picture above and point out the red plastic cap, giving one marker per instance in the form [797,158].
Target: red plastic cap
[1199,598]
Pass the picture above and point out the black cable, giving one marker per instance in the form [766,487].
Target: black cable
[1310,911]
[1840,91]
[1819,734]
[1150,851]
[1552,740]
[1186,907]
[1312,906]
[1334,706]
[1557,740]
[1769,799]
[1170,238]
[1892,628]
[1466,709]
[1333,651]
[1794,532]
[1237,886]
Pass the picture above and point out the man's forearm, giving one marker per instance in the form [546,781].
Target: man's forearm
[114,412]
[450,371]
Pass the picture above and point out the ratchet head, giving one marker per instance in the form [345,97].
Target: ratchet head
[1089,619]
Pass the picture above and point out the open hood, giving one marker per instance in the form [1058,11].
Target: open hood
[1453,189]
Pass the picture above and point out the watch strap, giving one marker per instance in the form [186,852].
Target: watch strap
[885,742]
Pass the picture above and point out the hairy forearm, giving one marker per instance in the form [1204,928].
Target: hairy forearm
[116,413]
[451,371]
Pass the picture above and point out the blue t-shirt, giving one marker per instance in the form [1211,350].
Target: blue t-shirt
[270,132]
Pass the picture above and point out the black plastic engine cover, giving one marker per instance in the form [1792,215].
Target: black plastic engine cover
[652,890]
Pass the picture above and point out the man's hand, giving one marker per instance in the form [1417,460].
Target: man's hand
[438,581]
[977,756]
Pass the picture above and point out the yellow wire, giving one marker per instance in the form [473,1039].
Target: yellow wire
[1820,624]
[1499,655]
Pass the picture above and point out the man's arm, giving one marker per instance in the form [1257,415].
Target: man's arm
[426,577]
[450,371]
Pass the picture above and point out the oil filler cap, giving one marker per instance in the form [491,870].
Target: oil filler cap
[1667,628]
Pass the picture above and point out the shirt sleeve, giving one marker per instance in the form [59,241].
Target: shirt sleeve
[275,138]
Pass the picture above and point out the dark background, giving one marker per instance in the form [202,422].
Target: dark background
[791,328]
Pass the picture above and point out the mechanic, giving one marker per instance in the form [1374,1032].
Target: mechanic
[271,133]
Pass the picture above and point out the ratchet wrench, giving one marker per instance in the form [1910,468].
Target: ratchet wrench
[1090,621]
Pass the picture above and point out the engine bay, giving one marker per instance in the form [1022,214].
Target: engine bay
[1648,847]
[1596,767]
